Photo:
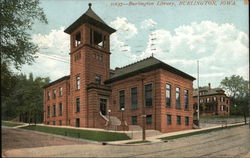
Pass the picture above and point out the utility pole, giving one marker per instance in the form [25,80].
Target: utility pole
[143,110]
[198,96]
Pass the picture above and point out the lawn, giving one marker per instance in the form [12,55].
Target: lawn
[198,132]
[79,133]
[11,124]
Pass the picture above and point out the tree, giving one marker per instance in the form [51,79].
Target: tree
[16,48]
[25,101]
[238,90]
[17,18]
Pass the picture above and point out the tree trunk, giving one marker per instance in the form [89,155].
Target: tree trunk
[29,117]
[245,118]
[35,118]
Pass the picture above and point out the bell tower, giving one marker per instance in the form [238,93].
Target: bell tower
[89,62]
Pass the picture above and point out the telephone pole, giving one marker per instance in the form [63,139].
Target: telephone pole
[198,96]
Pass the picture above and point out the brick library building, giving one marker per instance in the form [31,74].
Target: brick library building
[147,93]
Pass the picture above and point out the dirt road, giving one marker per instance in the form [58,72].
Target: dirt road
[17,139]
[234,142]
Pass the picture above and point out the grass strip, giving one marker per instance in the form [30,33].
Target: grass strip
[198,132]
[79,133]
[138,142]
[10,124]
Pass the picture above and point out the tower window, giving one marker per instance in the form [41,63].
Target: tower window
[98,79]
[97,39]
[77,39]
[77,82]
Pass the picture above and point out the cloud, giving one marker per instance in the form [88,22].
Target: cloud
[56,42]
[125,29]
[119,40]
[53,55]
[148,23]
[221,49]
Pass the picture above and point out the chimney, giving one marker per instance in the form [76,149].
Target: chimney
[209,86]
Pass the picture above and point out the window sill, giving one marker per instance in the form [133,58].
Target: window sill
[149,106]
[133,108]
[168,107]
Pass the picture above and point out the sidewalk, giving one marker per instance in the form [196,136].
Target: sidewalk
[151,139]
[155,139]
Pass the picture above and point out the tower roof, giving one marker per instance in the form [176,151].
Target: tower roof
[92,18]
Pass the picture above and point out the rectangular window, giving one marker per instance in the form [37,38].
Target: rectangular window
[222,99]
[60,91]
[186,99]
[148,95]
[178,120]
[201,100]
[186,121]
[98,79]
[54,122]
[54,110]
[208,100]
[60,109]
[214,98]
[134,120]
[98,39]
[48,112]
[122,99]
[60,122]
[178,98]
[77,39]
[134,98]
[77,104]
[168,95]
[148,119]
[48,95]
[169,119]
[54,93]
[77,82]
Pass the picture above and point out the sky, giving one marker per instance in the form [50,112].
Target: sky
[178,32]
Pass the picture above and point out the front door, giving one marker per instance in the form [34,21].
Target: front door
[103,106]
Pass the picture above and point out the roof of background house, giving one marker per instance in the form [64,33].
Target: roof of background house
[208,91]
[144,65]
[89,17]
[57,81]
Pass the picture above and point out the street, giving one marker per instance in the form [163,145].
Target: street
[233,142]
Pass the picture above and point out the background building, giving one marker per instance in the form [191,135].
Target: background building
[213,101]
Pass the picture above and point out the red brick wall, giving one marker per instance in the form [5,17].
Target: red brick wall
[63,99]
[158,111]
[184,84]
